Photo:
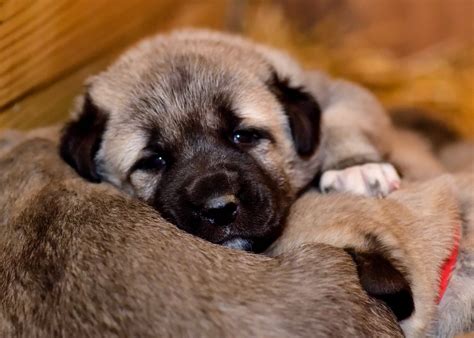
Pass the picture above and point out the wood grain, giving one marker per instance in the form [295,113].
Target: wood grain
[48,47]
[47,39]
[51,104]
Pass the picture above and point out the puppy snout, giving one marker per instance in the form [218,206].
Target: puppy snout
[221,210]
[213,196]
[202,187]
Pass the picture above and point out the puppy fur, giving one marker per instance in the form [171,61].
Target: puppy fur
[406,237]
[80,259]
[456,309]
[182,96]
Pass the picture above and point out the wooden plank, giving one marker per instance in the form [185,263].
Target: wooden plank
[51,105]
[48,47]
[48,38]
[8,9]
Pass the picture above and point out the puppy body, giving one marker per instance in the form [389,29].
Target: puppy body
[414,157]
[456,309]
[83,260]
[220,134]
[407,238]
[458,156]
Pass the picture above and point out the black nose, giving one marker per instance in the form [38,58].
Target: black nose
[221,210]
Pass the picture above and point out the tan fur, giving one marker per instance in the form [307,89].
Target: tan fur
[353,123]
[456,309]
[355,126]
[416,225]
[413,156]
[458,156]
[80,259]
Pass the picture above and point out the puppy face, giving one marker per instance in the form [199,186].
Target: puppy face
[204,129]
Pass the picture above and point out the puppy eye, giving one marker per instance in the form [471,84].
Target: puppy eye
[153,162]
[246,137]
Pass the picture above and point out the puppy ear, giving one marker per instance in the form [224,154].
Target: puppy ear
[81,140]
[304,114]
[381,280]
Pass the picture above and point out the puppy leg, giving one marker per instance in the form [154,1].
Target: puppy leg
[356,139]
[373,179]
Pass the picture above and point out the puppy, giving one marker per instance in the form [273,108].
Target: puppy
[79,259]
[220,134]
[414,250]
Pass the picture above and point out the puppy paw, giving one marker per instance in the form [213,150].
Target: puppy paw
[372,179]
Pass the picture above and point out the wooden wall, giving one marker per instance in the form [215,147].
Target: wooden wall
[48,47]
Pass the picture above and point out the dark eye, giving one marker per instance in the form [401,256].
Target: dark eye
[152,162]
[246,137]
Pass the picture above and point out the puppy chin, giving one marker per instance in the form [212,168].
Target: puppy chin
[238,243]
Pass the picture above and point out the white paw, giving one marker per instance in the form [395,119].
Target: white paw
[372,179]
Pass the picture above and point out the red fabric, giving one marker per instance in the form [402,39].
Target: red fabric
[448,265]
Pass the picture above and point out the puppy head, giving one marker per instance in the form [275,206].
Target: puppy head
[207,131]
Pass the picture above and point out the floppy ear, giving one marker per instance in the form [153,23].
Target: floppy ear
[81,140]
[304,114]
[381,280]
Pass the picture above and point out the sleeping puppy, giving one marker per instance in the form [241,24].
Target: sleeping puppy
[220,134]
[414,250]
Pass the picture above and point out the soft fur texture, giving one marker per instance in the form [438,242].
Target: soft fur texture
[73,278]
[160,124]
[98,253]
[413,229]
[80,259]
[456,309]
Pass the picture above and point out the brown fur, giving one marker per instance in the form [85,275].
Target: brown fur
[177,86]
[414,229]
[82,260]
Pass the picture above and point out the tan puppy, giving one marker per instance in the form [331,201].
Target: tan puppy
[220,134]
[79,259]
[404,246]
